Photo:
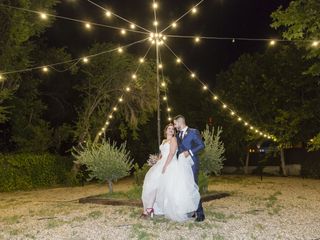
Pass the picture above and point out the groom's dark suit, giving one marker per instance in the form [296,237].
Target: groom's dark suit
[192,142]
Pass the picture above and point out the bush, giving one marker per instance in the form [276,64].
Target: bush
[105,161]
[26,171]
[203,182]
[211,159]
[140,173]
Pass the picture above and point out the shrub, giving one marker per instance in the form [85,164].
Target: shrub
[105,161]
[140,173]
[211,159]
[26,171]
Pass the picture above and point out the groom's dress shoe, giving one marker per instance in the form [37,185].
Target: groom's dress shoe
[200,218]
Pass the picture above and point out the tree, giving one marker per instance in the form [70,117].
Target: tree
[301,21]
[104,80]
[272,93]
[105,161]
[17,28]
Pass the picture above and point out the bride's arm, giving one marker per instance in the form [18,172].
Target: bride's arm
[173,149]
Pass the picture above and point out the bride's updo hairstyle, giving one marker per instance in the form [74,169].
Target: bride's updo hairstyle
[166,128]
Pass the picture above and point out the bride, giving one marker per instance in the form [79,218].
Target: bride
[169,188]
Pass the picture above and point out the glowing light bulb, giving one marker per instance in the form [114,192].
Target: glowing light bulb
[123,32]
[169,109]
[205,87]
[169,118]
[246,124]
[107,123]
[88,26]
[155,5]
[197,39]
[120,99]
[224,106]
[160,66]
[120,50]
[45,69]
[134,76]
[128,89]
[103,129]
[155,23]
[85,60]
[164,38]
[115,109]
[272,42]
[315,44]
[251,128]
[43,16]
[108,14]
[141,60]
[178,60]
[193,75]
[163,84]
[194,10]
[110,116]
[132,26]
[239,119]
[232,113]
[100,133]
[1,77]
[174,25]
[165,98]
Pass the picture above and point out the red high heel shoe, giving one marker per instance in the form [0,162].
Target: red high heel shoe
[149,213]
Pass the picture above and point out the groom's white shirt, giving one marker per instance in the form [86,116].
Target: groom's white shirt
[182,136]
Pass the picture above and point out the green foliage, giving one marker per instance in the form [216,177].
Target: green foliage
[301,21]
[203,182]
[105,161]
[17,28]
[140,173]
[314,144]
[103,80]
[212,157]
[27,171]
[280,98]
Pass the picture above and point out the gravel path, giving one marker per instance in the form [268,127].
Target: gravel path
[275,208]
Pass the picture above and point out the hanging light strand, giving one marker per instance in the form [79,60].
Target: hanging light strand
[233,39]
[191,10]
[74,61]
[224,106]
[87,24]
[116,15]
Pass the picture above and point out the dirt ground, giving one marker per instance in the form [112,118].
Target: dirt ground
[274,208]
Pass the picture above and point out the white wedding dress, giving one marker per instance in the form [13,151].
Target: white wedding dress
[173,194]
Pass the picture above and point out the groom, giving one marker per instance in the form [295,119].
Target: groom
[189,144]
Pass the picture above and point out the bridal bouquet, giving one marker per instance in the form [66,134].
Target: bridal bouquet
[153,159]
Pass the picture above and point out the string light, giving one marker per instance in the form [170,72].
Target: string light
[43,16]
[123,32]
[193,75]
[194,10]
[197,39]
[155,23]
[272,42]
[121,99]
[141,60]
[120,50]
[232,113]
[174,25]
[45,69]
[115,109]
[163,84]
[88,26]
[224,106]
[160,66]
[132,26]
[215,98]
[315,44]
[205,87]
[178,60]
[128,89]
[155,5]
[108,14]
[134,76]
[85,60]
[165,98]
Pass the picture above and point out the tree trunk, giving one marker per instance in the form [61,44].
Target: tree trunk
[283,164]
[247,163]
[110,186]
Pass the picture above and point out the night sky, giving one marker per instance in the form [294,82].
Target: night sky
[220,18]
